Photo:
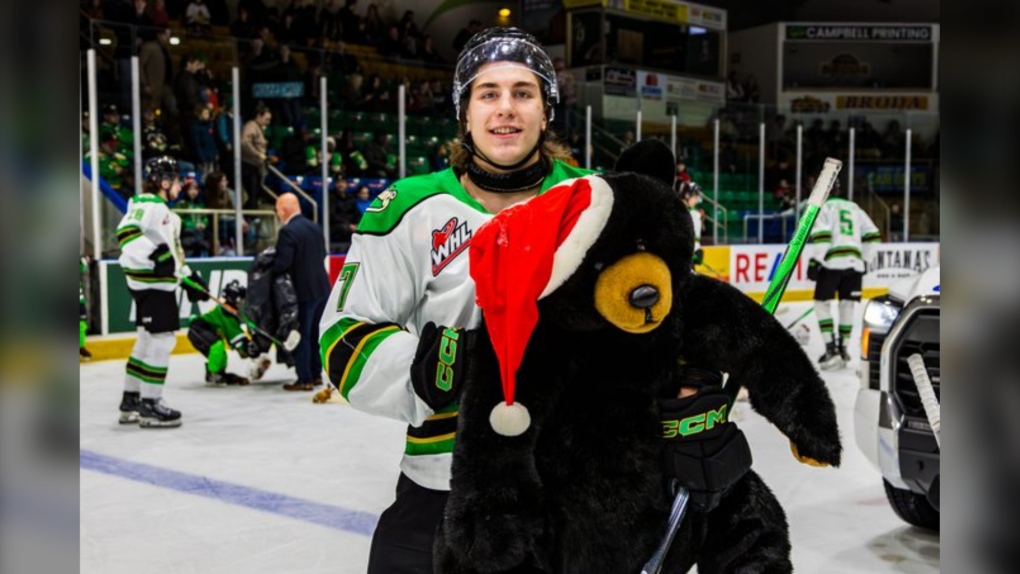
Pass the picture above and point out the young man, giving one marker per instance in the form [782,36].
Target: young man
[404,292]
[844,235]
[153,263]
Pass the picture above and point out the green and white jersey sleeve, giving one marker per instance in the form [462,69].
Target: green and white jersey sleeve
[844,235]
[147,224]
[407,266]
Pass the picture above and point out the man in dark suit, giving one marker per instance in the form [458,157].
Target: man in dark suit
[301,252]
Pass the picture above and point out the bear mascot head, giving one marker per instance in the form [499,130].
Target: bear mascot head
[593,324]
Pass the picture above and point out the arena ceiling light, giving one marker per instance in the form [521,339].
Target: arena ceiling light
[504,12]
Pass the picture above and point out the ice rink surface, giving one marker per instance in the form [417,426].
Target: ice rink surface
[259,480]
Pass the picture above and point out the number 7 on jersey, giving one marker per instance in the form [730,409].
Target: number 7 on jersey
[347,275]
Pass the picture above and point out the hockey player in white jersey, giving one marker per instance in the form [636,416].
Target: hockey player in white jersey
[153,263]
[690,195]
[401,312]
[843,237]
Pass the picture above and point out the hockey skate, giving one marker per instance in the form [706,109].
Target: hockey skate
[842,352]
[152,413]
[129,406]
[84,354]
[259,367]
[224,379]
[832,359]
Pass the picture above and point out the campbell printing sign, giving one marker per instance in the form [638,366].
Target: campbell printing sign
[859,33]
[751,267]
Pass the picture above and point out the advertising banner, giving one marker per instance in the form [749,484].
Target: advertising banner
[843,32]
[823,102]
[751,268]
[651,84]
[118,309]
[620,82]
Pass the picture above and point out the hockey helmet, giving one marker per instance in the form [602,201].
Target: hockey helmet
[161,168]
[513,46]
[233,292]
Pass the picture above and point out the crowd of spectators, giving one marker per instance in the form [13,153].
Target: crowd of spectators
[187,111]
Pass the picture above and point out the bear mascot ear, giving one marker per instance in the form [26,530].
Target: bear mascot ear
[649,157]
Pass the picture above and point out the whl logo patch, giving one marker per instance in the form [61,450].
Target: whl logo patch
[448,243]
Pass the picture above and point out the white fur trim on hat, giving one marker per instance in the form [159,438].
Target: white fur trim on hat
[586,231]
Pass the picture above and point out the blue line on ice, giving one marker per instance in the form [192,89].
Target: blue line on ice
[306,510]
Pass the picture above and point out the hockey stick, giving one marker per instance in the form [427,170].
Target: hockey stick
[818,196]
[712,270]
[776,288]
[927,393]
[799,319]
[292,339]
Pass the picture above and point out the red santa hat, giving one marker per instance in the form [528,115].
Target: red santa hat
[523,254]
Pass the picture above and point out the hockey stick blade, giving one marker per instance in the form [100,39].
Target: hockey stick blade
[292,341]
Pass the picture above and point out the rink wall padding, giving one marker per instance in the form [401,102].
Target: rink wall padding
[747,267]
[119,347]
[750,267]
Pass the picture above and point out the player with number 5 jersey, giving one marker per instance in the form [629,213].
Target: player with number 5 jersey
[843,236]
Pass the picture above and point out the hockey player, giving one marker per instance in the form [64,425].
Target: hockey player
[83,353]
[153,263]
[690,195]
[844,236]
[400,300]
[209,331]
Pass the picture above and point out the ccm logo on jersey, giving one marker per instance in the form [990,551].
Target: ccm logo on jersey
[447,243]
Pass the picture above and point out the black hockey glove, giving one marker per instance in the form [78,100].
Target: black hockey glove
[703,451]
[814,268]
[438,370]
[163,260]
[196,295]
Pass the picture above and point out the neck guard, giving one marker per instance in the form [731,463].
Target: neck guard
[518,179]
[513,182]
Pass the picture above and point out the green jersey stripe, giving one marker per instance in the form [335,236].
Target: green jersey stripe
[845,251]
[147,198]
[438,445]
[154,380]
[433,428]
[360,354]
[147,366]
[330,338]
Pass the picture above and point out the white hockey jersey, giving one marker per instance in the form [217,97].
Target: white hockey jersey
[696,220]
[148,223]
[407,266]
[844,235]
